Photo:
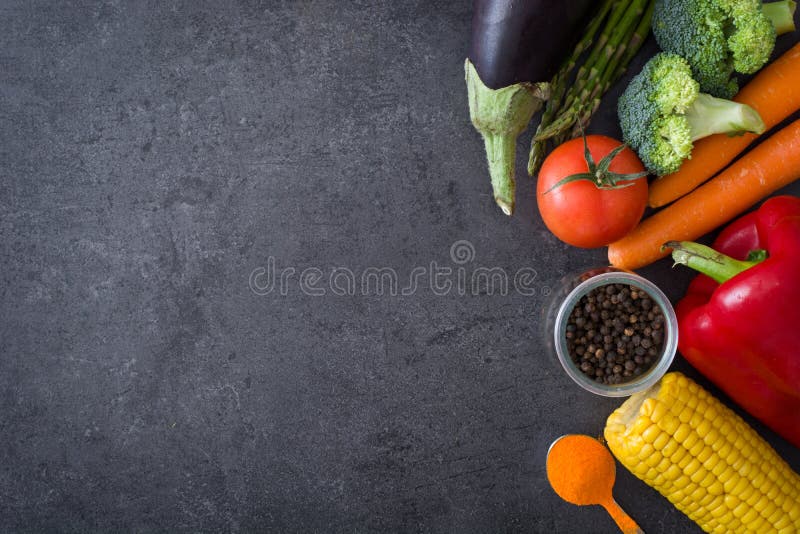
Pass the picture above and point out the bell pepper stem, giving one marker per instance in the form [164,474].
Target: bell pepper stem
[710,262]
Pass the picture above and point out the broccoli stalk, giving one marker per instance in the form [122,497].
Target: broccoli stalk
[781,14]
[662,112]
[709,115]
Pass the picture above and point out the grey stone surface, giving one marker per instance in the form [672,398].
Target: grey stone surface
[153,155]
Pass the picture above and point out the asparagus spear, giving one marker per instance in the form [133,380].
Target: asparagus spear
[604,57]
[629,44]
[625,29]
[558,85]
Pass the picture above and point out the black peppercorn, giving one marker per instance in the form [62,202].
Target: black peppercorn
[615,333]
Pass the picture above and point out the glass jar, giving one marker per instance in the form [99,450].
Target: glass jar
[569,292]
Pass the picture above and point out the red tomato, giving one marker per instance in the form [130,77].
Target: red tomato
[579,212]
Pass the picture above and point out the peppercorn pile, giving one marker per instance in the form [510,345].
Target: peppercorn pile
[615,333]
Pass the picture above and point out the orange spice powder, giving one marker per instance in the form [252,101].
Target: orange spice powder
[580,469]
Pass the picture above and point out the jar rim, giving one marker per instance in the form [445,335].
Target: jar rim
[641,382]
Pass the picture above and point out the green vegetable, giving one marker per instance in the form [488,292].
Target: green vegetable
[662,112]
[500,115]
[612,38]
[718,37]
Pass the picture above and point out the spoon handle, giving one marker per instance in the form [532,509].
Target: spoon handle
[623,520]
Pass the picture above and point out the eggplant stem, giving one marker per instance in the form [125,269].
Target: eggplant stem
[501,155]
[500,115]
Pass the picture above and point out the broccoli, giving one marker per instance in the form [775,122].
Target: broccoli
[718,37]
[662,112]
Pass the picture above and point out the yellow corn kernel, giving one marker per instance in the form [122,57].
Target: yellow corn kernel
[745,448]
[678,455]
[696,420]
[658,411]
[744,467]
[640,470]
[661,441]
[685,415]
[706,500]
[647,409]
[713,437]
[715,488]
[669,449]
[759,481]
[749,516]
[731,501]
[745,490]
[708,481]
[703,427]
[725,427]
[729,481]
[682,482]
[642,424]
[697,448]
[757,525]
[705,453]
[712,460]
[672,473]
[692,439]
[719,513]
[685,461]
[698,493]
[746,493]
[725,448]
[668,423]
[740,510]
[779,520]
[651,433]
[682,433]
[764,507]
[691,467]
[698,473]
[634,446]
[653,460]
[651,473]
[720,468]
[663,465]
[705,459]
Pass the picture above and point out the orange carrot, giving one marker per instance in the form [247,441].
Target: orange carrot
[769,166]
[774,93]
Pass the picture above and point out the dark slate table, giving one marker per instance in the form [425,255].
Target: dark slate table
[158,160]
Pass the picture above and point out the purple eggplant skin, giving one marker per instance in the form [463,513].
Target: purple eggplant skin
[524,40]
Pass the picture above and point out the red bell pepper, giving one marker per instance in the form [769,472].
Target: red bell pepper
[739,323]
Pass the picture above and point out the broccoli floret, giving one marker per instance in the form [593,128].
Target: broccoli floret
[720,37]
[662,112]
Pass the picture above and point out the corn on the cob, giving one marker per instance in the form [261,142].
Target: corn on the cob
[705,459]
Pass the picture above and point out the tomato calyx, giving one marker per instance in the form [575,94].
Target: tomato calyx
[599,173]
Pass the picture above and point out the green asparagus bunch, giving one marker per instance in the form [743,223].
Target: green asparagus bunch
[625,26]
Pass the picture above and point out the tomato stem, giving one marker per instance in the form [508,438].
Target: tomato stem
[600,174]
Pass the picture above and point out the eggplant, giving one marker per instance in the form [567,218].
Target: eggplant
[516,48]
